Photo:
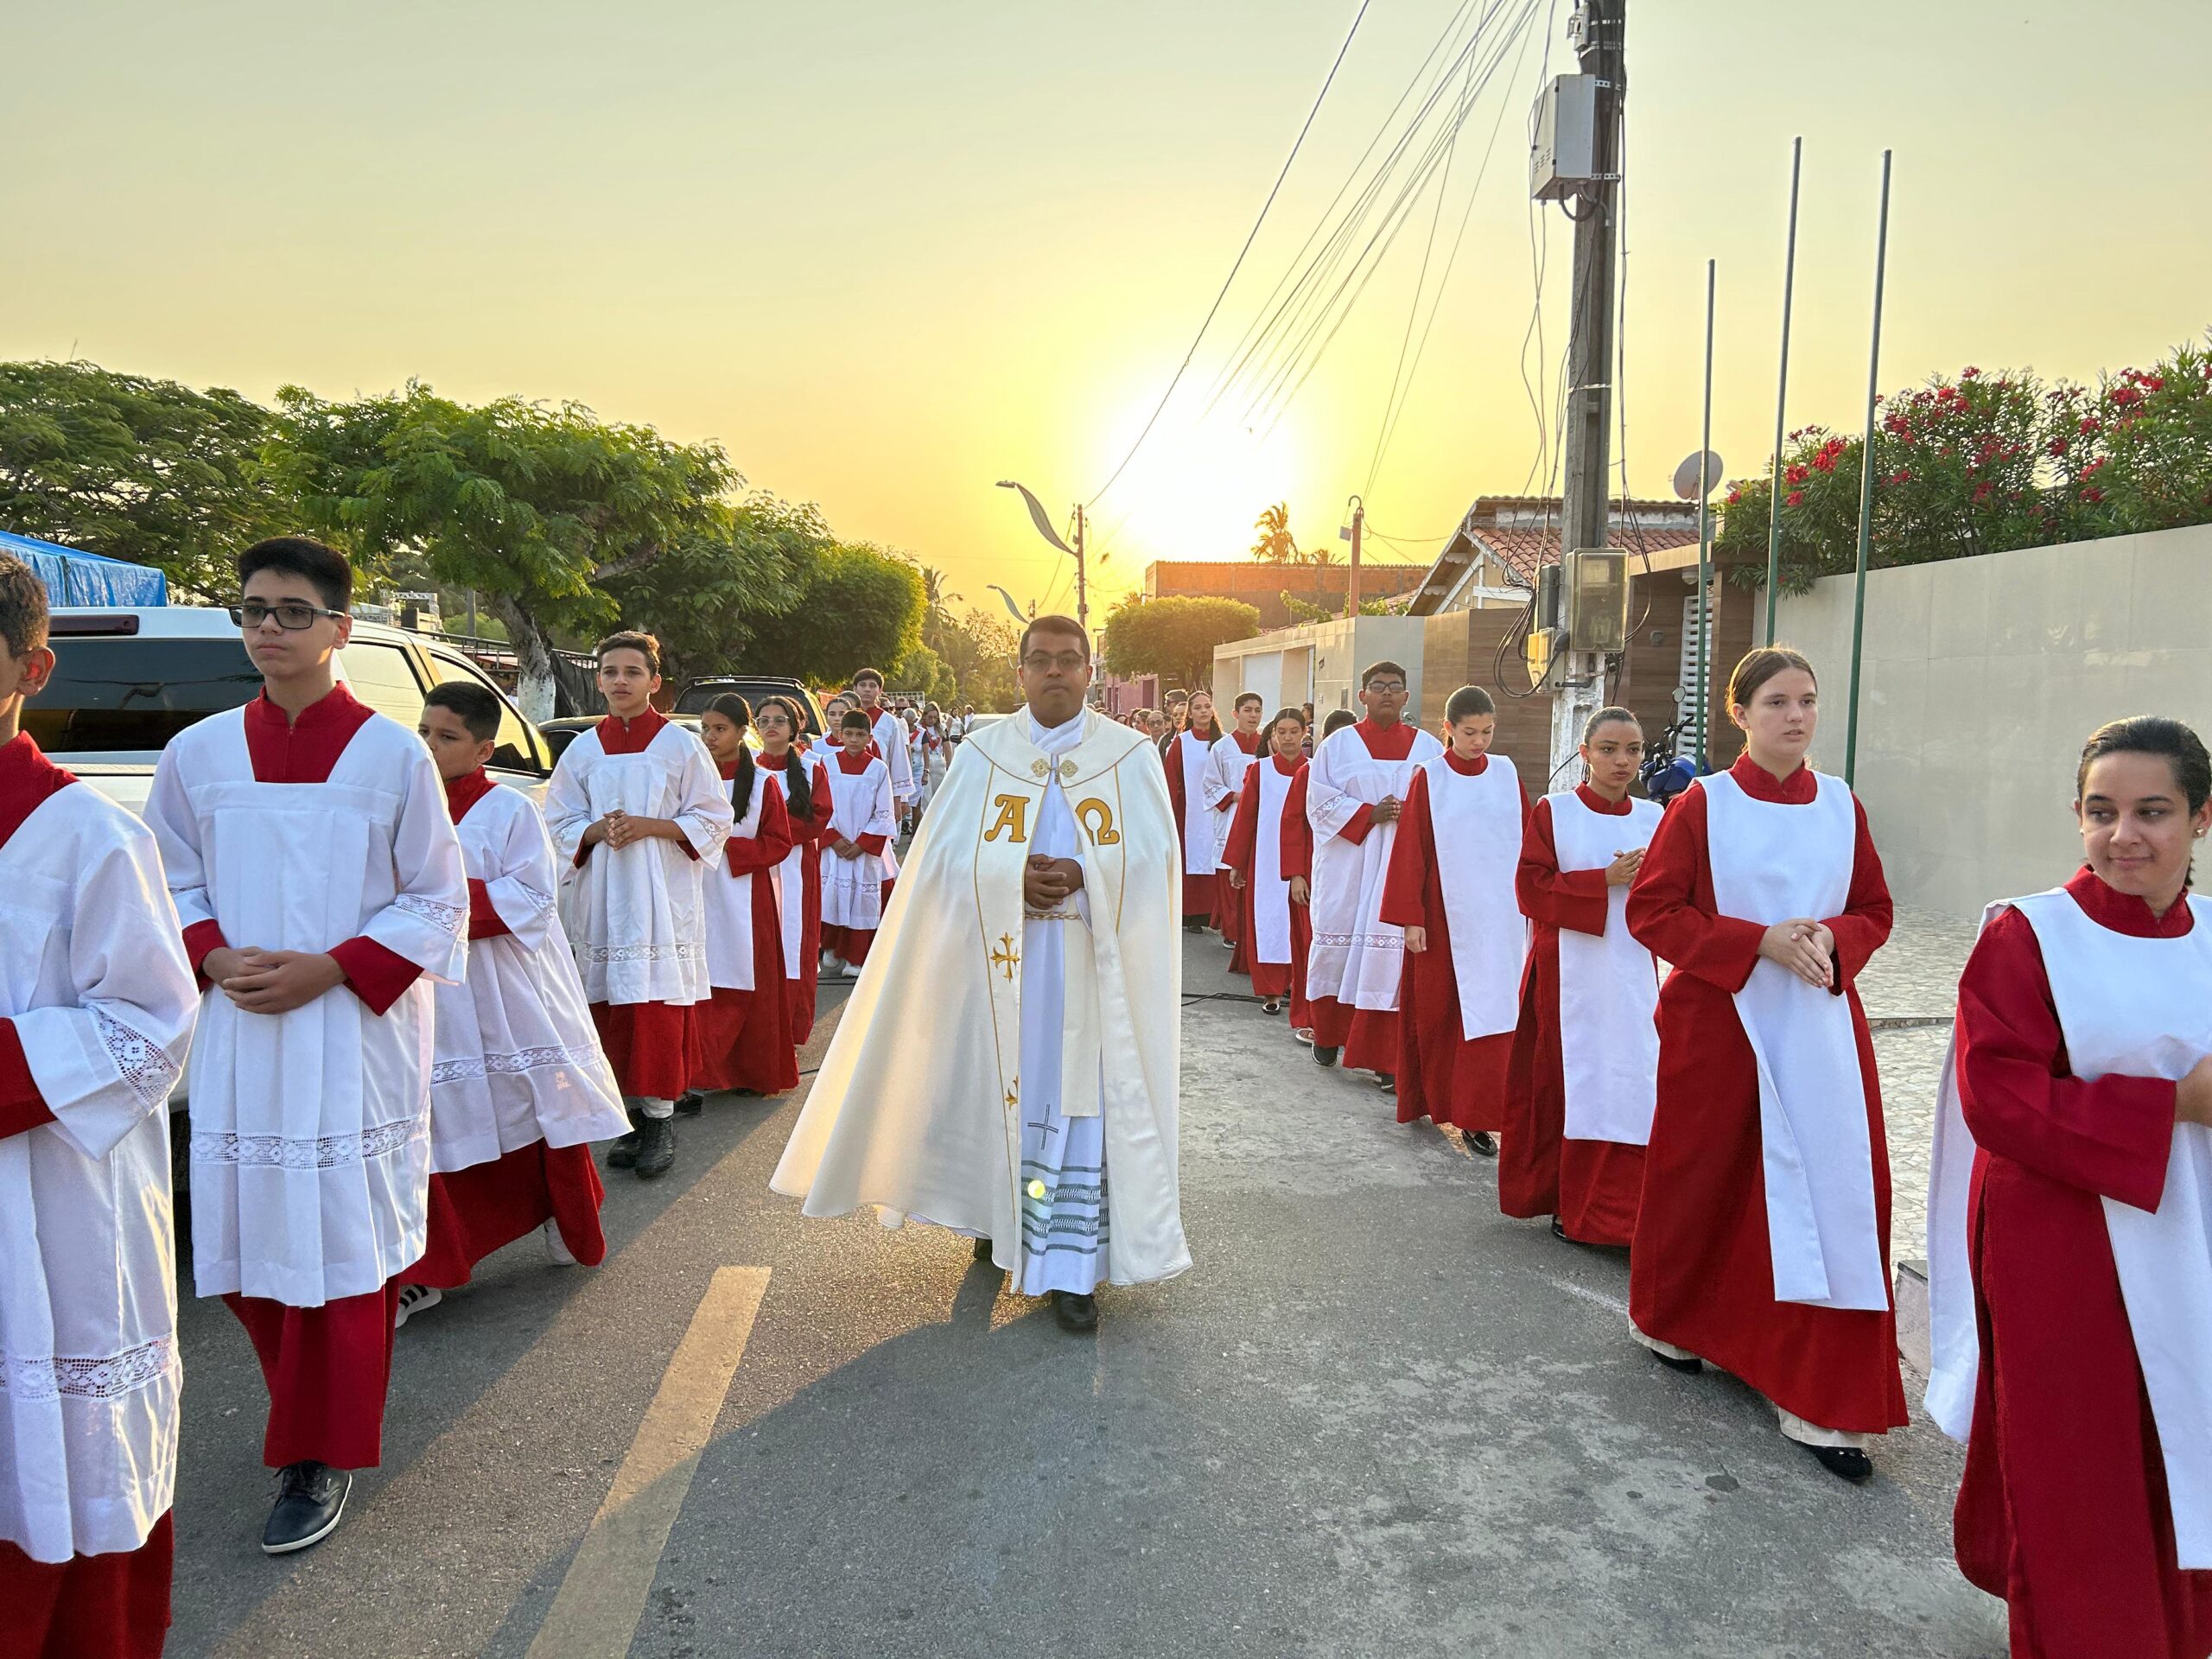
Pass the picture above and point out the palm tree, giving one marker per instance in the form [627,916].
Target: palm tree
[1276,546]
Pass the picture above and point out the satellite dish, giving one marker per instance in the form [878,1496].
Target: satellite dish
[1686,483]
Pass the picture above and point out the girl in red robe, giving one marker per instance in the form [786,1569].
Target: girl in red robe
[1791,848]
[1459,838]
[1551,1163]
[2066,1081]
[1262,808]
[745,1035]
[1185,757]
[1298,869]
[808,804]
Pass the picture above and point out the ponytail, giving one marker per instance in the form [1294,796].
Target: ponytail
[736,710]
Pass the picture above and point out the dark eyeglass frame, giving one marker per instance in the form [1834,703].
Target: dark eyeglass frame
[1066,661]
[277,610]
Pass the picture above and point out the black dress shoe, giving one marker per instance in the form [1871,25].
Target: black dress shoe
[1559,1227]
[1483,1144]
[1076,1313]
[982,1249]
[310,1496]
[1323,1055]
[1194,923]
[690,1104]
[656,1148]
[1689,1365]
[1386,1083]
[1845,1462]
[623,1154]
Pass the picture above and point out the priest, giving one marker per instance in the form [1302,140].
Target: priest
[1006,1067]
[1356,789]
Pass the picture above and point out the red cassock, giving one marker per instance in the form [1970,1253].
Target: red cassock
[745,1037]
[1593,1186]
[1441,1075]
[1701,1273]
[808,833]
[1199,891]
[1270,979]
[2064,1510]
[1298,861]
[653,1046]
[90,1606]
[1228,907]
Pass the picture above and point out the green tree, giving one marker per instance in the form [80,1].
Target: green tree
[139,469]
[542,509]
[715,593]
[1175,637]
[861,606]
[1276,546]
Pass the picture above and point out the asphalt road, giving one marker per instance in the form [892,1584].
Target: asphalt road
[1376,1418]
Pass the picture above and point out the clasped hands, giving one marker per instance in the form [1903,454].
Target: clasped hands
[619,829]
[272,981]
[1048,883]
[1805,947]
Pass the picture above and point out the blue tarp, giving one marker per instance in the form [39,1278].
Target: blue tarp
[74,578]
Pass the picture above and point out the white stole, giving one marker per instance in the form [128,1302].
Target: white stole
[1476,821]
[1608,985]
[1193,756]
[1771,862]
[729,898]
[2127,1006]
[791,876]
[1270,887]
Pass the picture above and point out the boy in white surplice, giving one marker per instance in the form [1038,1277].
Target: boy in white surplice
[319,881]
[96,1009]
[637,810]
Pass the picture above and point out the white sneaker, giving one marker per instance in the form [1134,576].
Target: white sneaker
[416,1299]
[556,1247]
[848,970]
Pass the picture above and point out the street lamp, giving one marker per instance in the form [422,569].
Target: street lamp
[1013,609]
[1045,528]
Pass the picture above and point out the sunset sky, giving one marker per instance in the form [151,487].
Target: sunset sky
[888,253]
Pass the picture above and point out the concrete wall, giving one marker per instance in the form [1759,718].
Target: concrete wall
[1336,652]
[1983,677]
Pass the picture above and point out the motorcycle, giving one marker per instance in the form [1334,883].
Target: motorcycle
[1665,772]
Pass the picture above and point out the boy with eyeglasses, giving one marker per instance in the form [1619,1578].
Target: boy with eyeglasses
[96,1011]
[320,884]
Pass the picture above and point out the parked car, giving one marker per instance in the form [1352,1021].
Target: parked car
[697,693]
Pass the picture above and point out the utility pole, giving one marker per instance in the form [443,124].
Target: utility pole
[1352,574]
[1587,452]
[1081,591]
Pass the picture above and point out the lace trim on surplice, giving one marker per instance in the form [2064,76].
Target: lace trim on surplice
[475,1068]
[325,1152]
[58,1377]
[146,1067]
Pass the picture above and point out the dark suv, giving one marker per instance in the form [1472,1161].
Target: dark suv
[697,693]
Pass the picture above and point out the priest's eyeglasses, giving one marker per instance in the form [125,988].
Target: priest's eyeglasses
[293,615]
[1038,662]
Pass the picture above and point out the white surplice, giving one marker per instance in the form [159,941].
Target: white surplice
[852,888]
[890,735]
[728,898]
[1226,765]
[791,876]
[95,979]
[636,914]
[1608,985]
[311,1129]
[1192,754]
[1356,957]
[1270,887]
[517,1057]
[1477,820]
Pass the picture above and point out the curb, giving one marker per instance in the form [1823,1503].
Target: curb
[1912,1315]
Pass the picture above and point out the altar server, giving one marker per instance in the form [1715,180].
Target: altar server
[96,1011]
[1586,1052]
[1270,921]
[803,775]
[316,872]
[519,1089]
[1187,755]
[1449,886]
[1298,870]
[1355,793]
[888,739]
[2071,1226]
[745,1028]
[1230,761]
[1763,1241]
[1009,1066]
[857,876]
[637,812]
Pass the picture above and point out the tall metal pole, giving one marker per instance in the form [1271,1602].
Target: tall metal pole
[1351,576]
[1866,482]
[1587,453]
[1781,397]
[1705,482]
[1082,590]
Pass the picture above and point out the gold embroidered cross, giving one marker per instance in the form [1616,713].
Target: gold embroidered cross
[1013,1094]
[1005,957]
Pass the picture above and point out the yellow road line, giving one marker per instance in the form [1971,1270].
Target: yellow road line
[595,1614]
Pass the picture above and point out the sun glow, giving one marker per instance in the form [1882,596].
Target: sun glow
[1195,485]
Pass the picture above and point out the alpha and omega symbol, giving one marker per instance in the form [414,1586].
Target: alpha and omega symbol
[1013,820]
[1101,832]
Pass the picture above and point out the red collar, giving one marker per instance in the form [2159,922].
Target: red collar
[1473,768]
[853,765]
[1597,803]
[1395,743]
[1288,768]
[1756,781]
[1247,741]
[27,779]
[2123,912]
[303,749]
[464,791]
[631,737]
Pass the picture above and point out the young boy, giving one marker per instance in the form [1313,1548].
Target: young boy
[859,871]
[634,807]
[888,733]
[1465,938]
[319,881]
[521,1088]
[1233,759]
[96,1012]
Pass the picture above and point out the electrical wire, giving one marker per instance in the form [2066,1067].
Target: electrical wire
[1296,144]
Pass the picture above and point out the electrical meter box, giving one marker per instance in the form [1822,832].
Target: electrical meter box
[1594,586]
[1564,157]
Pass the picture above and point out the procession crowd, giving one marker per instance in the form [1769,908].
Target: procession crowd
[415,1000]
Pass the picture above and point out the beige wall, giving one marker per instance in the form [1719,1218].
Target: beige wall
[1982,678]
[1320,662]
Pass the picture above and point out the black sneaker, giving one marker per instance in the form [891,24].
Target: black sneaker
[690,1104]
[310,1496]
[656,1148]
[1194,923]
[1845,1462]
[1386,1083]
[982,1249]
[1076,1313]
[1483,1144]
[1323,1055]
[623,1154]
[1559,1229]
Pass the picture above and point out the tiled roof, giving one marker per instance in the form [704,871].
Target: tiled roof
[1523,551]
[1527,539]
